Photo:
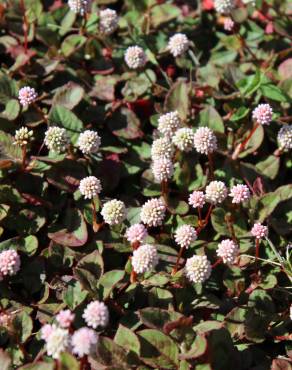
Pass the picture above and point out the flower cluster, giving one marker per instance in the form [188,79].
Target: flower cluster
[135,57]
[183,139]
[198,269]
[263,114]
[90,187]
[88,142]
[197,199]
[56,139]
[239,193]
[79,6]
[96,314]
[145,258]
[162,148]
[224,6]
[22,136]
[136,233]
[168,123]
[153,212]
[162,169]
[259,231]
[228,251]
[185,235]
[216,192]
[205,141]
[109,21]
[9,263]
[114,212]
[27,95]
[178,44]
[284,138]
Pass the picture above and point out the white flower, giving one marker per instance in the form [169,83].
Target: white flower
[57,342]
[162,148]
[79,6]
[224,6]
[96,314]
[9,263]
[198,269]
[84,341]
[108,21]
[145,258]
[114,212]
[27,95]
[56,139]
[228,251]
[168,123]
[22,136]
[285,138]
[239,193]
[162,169]
[136,233]
[178,44]
[135,57]
[263,114]
[90,187]
[197,199]
[205,140]
[88,142]
[183,139]
[153,212]
[185,235]
[216,192]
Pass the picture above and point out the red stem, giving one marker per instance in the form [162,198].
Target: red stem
[243,144]
[174,270]
[25,26]
[217,263]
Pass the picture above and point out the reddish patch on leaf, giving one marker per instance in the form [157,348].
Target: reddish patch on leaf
[208,5]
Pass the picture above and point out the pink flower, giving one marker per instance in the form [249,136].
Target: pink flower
[65,318]
[96,314]
[239,193]
[259,231]
[197,199]
[228,251]
[136,233]
[83,341]
[228,24]
[262,114]
[46,331]
[27,95]
[9,263]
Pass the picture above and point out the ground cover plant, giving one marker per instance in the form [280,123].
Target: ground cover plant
[145,194]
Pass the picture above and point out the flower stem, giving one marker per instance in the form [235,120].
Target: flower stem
[95,225]
[194,59]
[211,166]
[23,149]
[218,262]
[25,26]
[174,270]
[242,145]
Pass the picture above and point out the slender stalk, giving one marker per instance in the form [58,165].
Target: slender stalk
[194,59]
[243,145]
[211,166]
[95,225]
[200,216]
[23,149]
[174,270]
[257,248]
[133,277]
[218,262]
[25,26]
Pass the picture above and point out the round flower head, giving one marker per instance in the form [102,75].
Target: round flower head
[136,233]
[185,235]
[216,192]
[259,231]
[46,331]
[168,123]
[22,136]
[96,314]
[65,318]
[178,44]
[162,169]
[135,57]
[153,212]
[197,199]
[27,95]
[162,148]
[263,114]
[79,6]
[228,24]
[205,140]
[239,193]
[114,212]
[9,263]
[88,142]
[144,259]
[183,139]
[56,139]
[84,341]
[108,21]
[5,319]
[90,187]
[224,6]
[228,251]
[57,342]
[285,138]
[198,269]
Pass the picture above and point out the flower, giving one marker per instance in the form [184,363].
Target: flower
[168,123]
[135,57]
[145,258]
[178,44]
[79,6]
[259,231]
[56,139]
[228,251]
[224,6]
[65,318]
[239,193]
[197,199]
[90,187]
[205,140]
[96,314]
[228,24]
[27,95]
[136,233]
[46,331]
[153,212]
[183,139]
[216,192]
[84,341]
[185,235]
[162,169]
[161,148]
[88,142]
[57,341]
[9,263]
[5,319]
[114,212]
[262,114]
[285,137]
[198,269]
[22,136]
[108,21]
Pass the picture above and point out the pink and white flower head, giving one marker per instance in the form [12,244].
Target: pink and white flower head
[228,24]
[153,212]
[239,193]
[27,95]
[224,6]
[162,169]
[197,199]
[216,192]
[183,139]
[109,21]
[228,251]
[96,314]
[90,187]
[88,142]
[136,233]
[168,123]
[162,148]
[65,318]
[57,342]
[114,212]
[263,114]
[145,258]
[47,330]
[178,44]
[5,319]
[135,57]
[56,139]
[259,231]
[185,235]
[284,138]
[9,263]
[205,141]
[84,341]
[79,6]
[198,269]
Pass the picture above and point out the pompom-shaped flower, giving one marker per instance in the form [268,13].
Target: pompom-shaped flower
[239,193]
[79,6]
[178,44]
[162,148]
[168,123]
[162,169]
[5,319]
[183,139]
[259,231]
[90,187]
[57,342]
[22,136]
[263,114]
[56,139]
[108,21]
[228,24]
[224,6]
[96,314]
[216,192]
[46,331]
[9,263]
[153,212]
[185,235]
[84,341]
[285,138]
[198,269]
[65,318]
[144,259]
[88,142]
[205,140]
[197,199]
[136,233]
[114,212]
[27,95]
[135,57]
[228,251]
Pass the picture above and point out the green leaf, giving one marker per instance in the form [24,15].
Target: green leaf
[254,142]
[8,150]
[125,124]
[72,43]
[269,167]
[250,84]
[26,245]
[38,366]
[22,324]
[209,117]
[11,111]
[74,295]
[178,98]
[156,318]
[197,349]
[274,93]
[128,339]
[163,13]
[8,88]
[108,281]
[68,95]
[68,362]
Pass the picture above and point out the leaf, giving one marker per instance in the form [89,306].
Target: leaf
[22,324]
[209,117]
[197,349]
[108,281]
[269,167]
[274,93]
[27,245]
[7,149]
[8,88]
[72,43]
[68,95]
[127,339]
[163,13]
[38,366]
[74,295]
[156,318]
[11,111]
[68,362]
[178,98]
[125,124]
[250,84]
[254,142]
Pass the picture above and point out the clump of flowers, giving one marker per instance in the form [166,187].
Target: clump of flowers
[136,233]
[114,212]
[79,6]
[228,24]
[90,187]
[161,148]
[27,95]
[228,251]
[84,341]
[259,231]
[198,269]
[65,318]
[284,138]
[205,141]
[263,114]
[240,193]
[153,212]
[185,235]
[135,57]
[56,139]
[216,192]
[88,142]
[109,21]
[46,331]
[178,44]
[162,169]
[224,6]
[96,314]
[9,263]
[168,123]
[57,341]
[145,258]
[184,139]
[22,136]
[197,199]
